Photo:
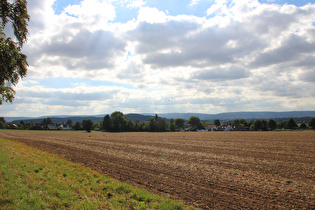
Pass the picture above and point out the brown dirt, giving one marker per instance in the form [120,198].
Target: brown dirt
[225,170]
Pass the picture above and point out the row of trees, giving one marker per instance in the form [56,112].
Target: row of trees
[270,125]
[117,122]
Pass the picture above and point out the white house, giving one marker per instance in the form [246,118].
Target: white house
[228,128]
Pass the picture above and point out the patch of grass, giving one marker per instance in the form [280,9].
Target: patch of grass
[32,179]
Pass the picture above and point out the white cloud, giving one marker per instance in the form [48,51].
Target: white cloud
[219,7]
[93,13]
[243,56]
[151,15]
[194,2]
[136,4]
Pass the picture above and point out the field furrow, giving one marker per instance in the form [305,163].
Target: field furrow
[210,169]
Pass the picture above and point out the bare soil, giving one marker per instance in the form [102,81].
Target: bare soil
[224,170]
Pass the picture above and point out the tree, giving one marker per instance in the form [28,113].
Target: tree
[13,64]
[77,126]
[264,122]
[69,122]
[281,125]
[46,122]
[2,120]
[311,123]
[236,122]
[194,122]
[119,122]
[272,124]
[303,126]
[96,126]
[179,123]
[2,123]
[130,125]
[257,125]
[163,124]
[172,124]
[87,125]
[107,123]
[291,124]
[151,124]
[138,126]
[217,122]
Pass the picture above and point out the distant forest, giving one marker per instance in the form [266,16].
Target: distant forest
[118,122]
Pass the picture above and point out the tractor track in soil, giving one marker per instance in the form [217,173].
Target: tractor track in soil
[225,170]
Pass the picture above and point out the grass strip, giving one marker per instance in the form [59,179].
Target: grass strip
[33,179]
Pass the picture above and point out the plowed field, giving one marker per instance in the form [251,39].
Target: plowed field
[224,170]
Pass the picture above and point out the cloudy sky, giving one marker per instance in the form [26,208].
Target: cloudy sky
[163,56]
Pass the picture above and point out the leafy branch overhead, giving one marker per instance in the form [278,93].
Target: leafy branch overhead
[13,63]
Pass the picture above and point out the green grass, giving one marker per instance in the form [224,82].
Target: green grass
[32,179]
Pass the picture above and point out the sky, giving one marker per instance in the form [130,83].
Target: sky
[94,57]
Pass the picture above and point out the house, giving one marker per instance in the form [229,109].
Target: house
[211,128]
[238,127]
[52,126]
[66,127]
[226,128]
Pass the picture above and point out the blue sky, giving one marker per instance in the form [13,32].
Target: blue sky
[89,57]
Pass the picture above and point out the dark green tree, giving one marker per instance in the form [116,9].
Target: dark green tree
[96,126]
[138,126]
[13,64]
[88,125]
[217,122]
[119,122]
[163,124]
[291,124]
[194,122]
[151,124]
[311,123]
[236,122]
[179,123]
[257,125]
[2,120]
[264,122]
[201,125]
[77,126]
[69,122]
[130,125]
[272,124]
[172,124]
[46,121]
[107,123]
[281,125]
[20,125]
[303,126]
[2,123]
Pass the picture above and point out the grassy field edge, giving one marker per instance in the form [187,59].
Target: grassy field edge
[33,179]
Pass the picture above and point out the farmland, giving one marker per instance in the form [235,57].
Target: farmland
[205,169]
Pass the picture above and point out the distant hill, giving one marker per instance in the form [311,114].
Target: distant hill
[241,115]
[248,116]
[63,118]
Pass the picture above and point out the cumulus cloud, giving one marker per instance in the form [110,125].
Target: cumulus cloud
[94,13]
[242,54]
[221,74]
[308,76]
[136,4]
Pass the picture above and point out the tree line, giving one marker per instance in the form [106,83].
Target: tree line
[118,122]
